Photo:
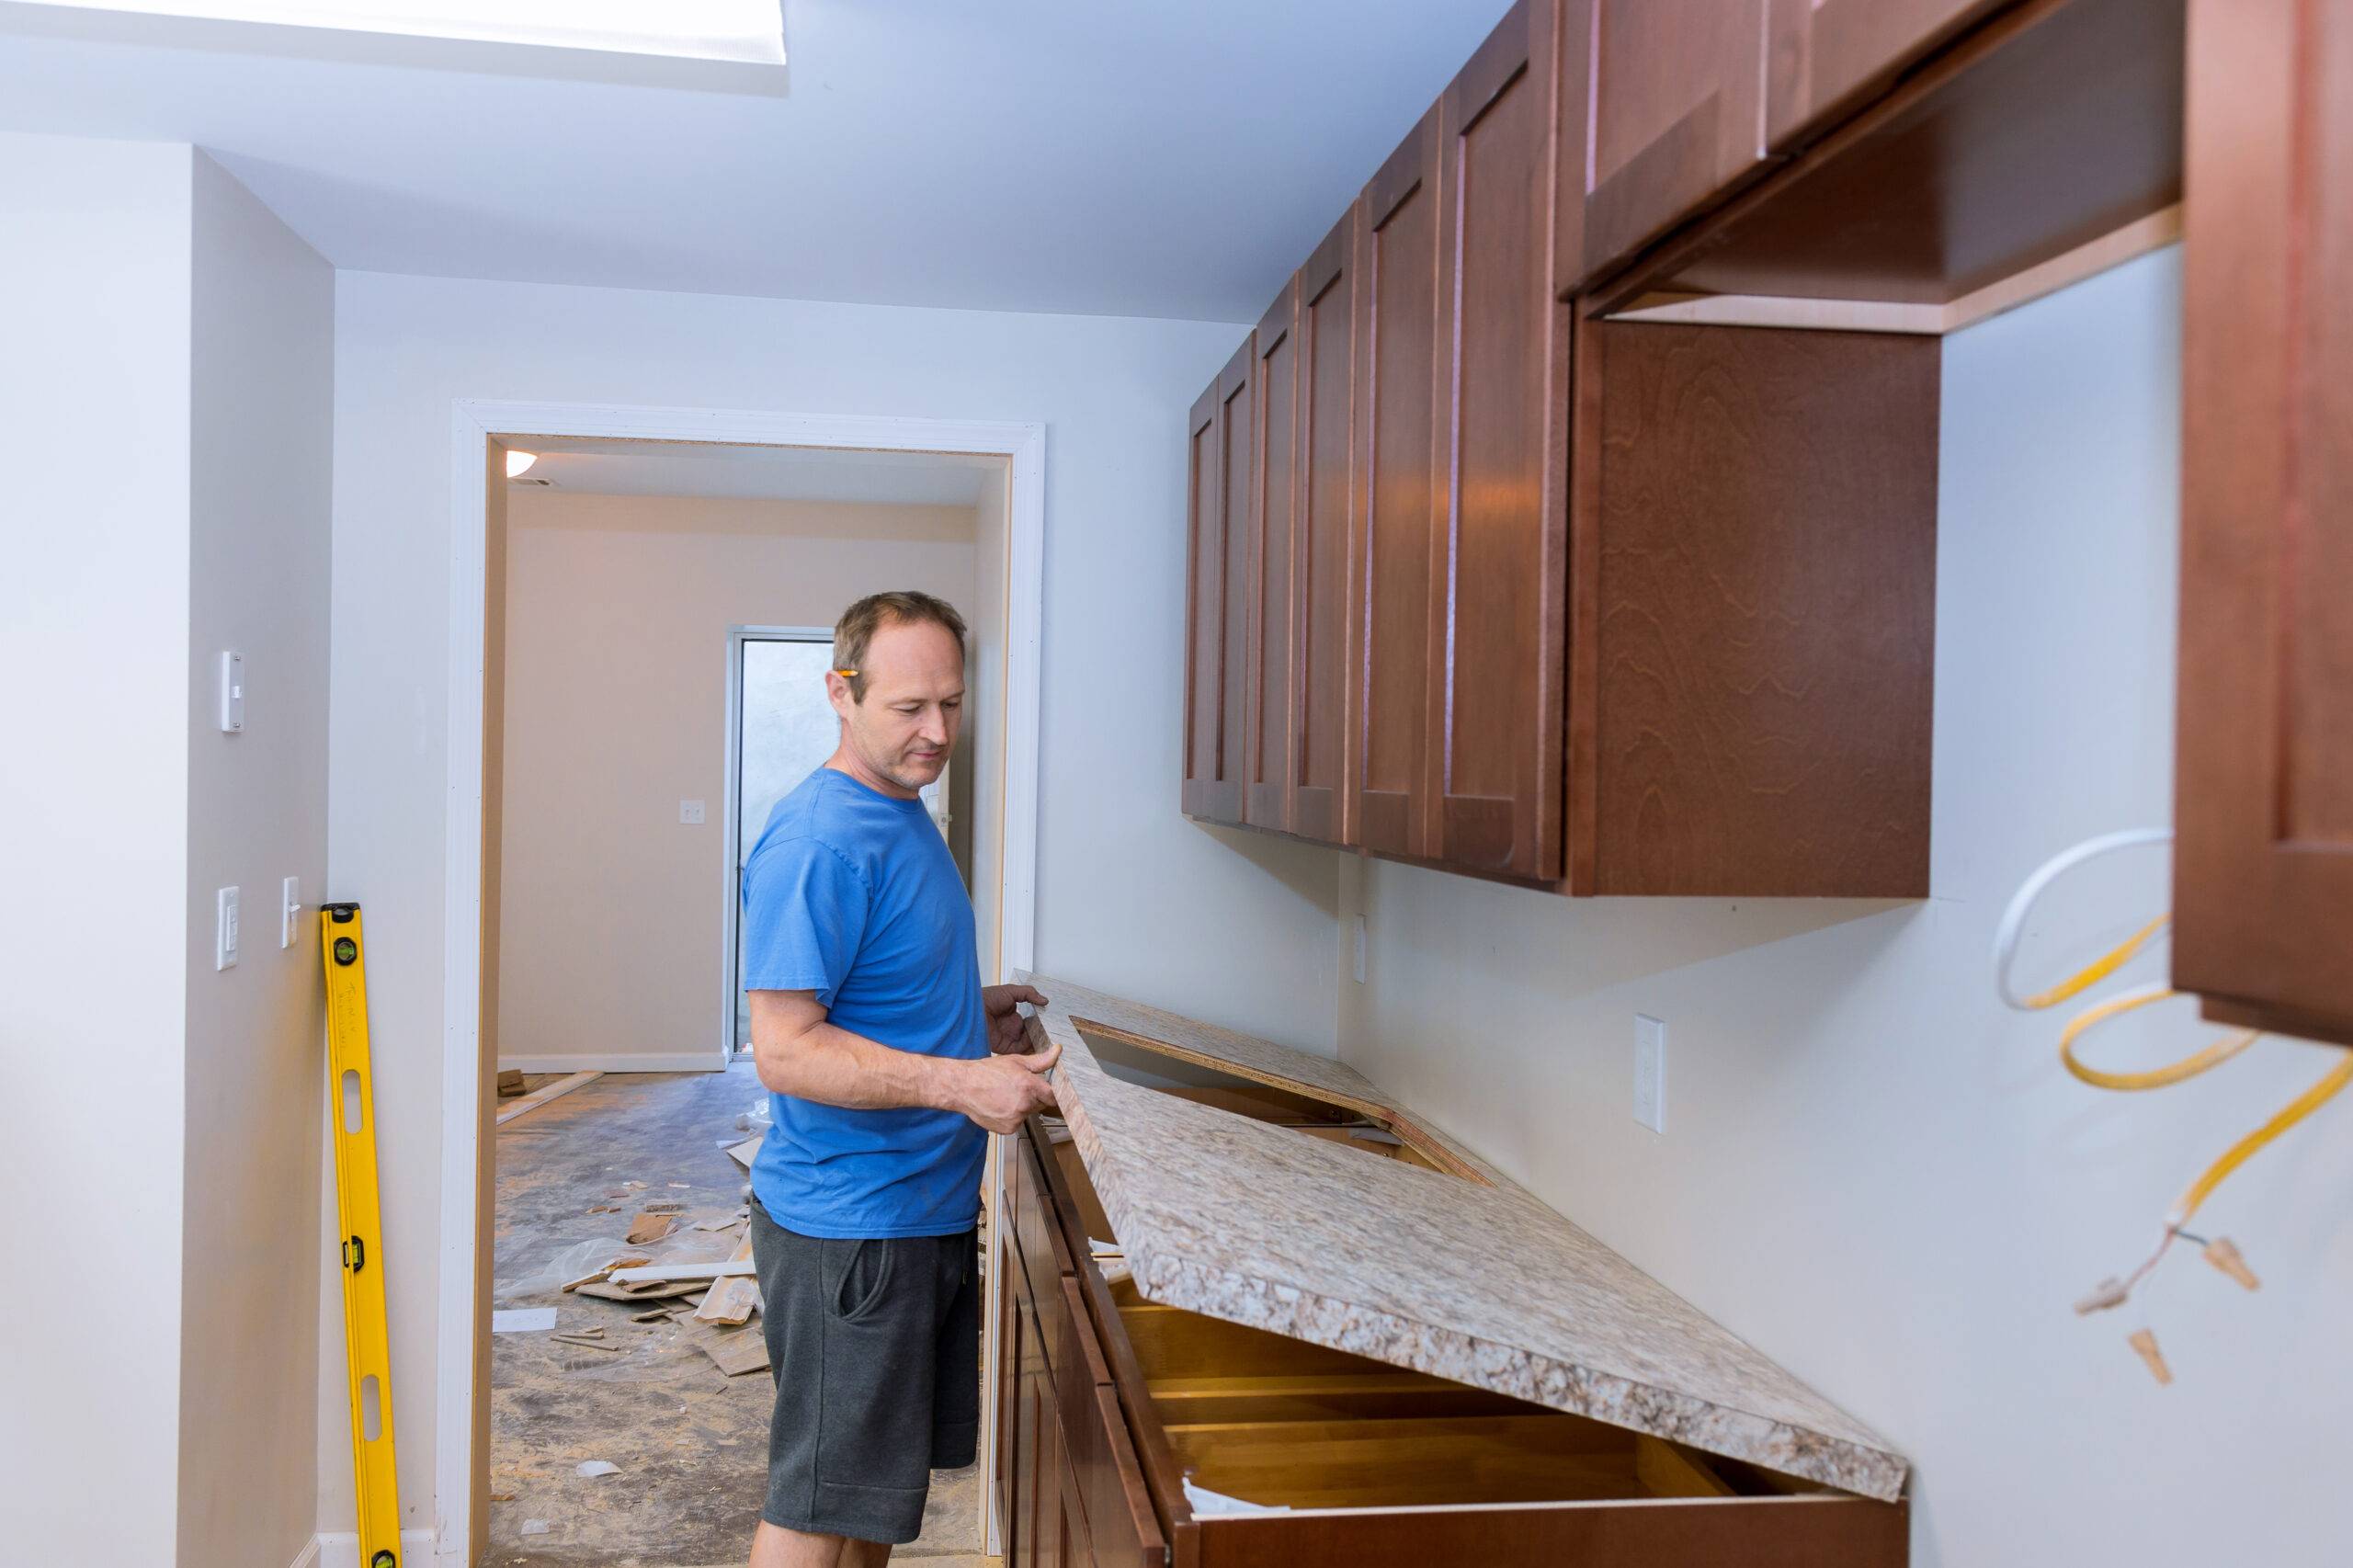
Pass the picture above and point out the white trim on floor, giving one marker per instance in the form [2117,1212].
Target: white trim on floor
[697,1060]
[340,1549]
[473,422]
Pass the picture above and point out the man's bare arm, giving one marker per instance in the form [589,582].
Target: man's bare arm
[798,1052]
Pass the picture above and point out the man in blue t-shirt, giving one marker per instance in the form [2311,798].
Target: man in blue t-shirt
[885,1060]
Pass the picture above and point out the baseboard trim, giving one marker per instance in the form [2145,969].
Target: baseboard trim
[643,1061]
[340,1549]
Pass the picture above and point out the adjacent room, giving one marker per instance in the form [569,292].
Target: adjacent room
[1535,783]
[667,630]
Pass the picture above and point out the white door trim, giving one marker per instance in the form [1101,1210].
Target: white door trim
[472,423]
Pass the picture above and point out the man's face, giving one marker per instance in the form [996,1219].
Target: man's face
[914,702]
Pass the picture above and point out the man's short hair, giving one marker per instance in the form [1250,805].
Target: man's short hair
[859,624]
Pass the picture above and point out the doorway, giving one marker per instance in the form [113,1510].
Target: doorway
[997,828]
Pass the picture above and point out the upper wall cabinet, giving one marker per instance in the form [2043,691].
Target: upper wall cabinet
[2263,865]
[1323,536]
[1274,497]
[1828,56]
[1217,594]
[1497,635]
[1397,321]
[1666,113]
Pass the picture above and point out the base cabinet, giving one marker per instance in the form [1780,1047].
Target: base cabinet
[1114,1405]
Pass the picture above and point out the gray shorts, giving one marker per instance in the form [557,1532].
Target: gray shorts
[875,1345]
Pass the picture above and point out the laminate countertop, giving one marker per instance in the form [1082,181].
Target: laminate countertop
[1462,1277]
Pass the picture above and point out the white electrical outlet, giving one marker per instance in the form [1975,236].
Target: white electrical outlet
[1650,1071]
[690,812]
[224,928]
[290,905]
[1359,956]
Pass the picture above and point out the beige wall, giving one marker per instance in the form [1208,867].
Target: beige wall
[618,608]
[1871,1169]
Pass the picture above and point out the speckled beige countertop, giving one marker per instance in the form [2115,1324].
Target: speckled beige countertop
[1475,1281]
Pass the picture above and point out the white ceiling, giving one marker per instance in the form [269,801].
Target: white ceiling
[586,466]
[1128,157]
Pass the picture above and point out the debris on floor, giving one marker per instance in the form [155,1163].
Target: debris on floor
[510,1081]
[741,1153]
[597,1467]
[650,1227]
[522,1320]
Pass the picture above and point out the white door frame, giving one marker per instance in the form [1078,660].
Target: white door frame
[473,422]
[731,804]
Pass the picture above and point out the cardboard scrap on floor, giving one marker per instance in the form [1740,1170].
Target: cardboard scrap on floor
[732,1299]
[510,1081]
[734,1351]
[741,1153]
[627,1260]
[650,1227]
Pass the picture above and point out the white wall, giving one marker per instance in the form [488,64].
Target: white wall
[256,813]
[1871,1169]
[1123,881]
[164,409]
[93,616]
[610,950]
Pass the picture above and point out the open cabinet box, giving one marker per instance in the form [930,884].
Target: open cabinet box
[1138,1429]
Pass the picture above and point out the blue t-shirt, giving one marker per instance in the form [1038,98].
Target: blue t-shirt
[853,896]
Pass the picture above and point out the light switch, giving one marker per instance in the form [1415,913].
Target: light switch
[690,812]
[224,928]
[1650,1071]
[290,905]
[232,693]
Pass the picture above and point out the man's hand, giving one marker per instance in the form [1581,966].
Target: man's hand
[1008,1031]
[999,1092]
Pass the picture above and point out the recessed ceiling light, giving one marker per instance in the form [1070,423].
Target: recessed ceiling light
[518,463]
[743,31]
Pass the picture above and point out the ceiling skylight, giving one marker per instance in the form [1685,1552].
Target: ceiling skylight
[743,32]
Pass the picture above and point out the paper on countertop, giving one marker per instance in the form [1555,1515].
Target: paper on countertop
[1203,1501]
[522,1320]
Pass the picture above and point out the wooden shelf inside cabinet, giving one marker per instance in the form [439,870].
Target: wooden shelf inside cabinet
[2042,145]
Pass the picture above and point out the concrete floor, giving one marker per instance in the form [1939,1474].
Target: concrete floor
[691,1442]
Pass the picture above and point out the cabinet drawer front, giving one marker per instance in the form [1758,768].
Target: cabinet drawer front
[1102,1456]
[1768,1532]
[1045,1259]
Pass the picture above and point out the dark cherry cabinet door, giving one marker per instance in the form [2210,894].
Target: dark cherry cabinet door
[1322,535]
[1829,56]
[1397,250]
[1666,113]
[1498,637]
[1217,596]
[2263,866]
[1274,502]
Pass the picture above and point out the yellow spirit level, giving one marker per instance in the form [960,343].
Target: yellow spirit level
[368,1353]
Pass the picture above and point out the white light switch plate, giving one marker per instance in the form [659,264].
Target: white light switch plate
[232,693]
[290,905]
[1650,1071]
[224,928]
[690,812]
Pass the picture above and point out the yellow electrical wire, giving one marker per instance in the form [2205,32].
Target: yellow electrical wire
[2099,969]
[2294,1111]
[2190,1066]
